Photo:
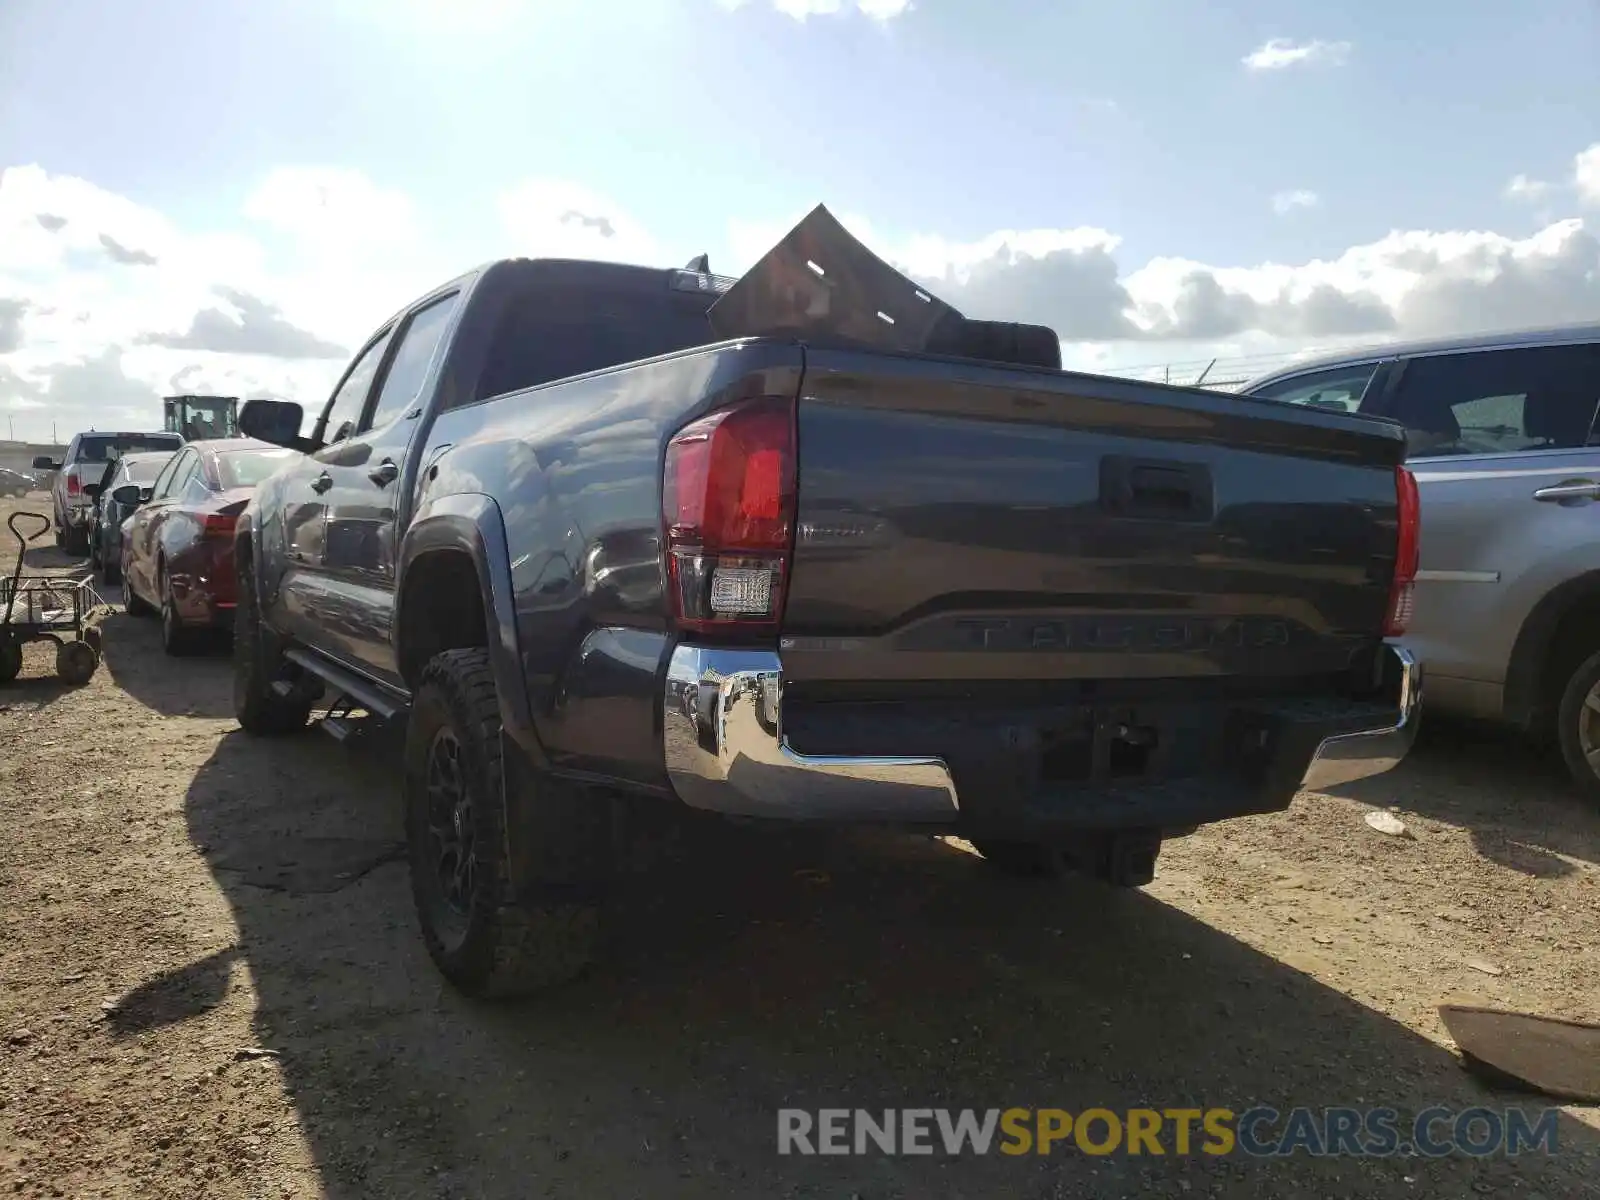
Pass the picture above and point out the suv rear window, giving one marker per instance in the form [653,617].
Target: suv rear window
[107,447]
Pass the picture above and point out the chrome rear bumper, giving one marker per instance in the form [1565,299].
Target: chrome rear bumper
[726,752]
[1347,757]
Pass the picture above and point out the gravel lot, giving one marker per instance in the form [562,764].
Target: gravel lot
[211,985]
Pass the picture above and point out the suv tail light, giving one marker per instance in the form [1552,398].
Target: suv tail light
[728,501]
[74,484]
[1408,508]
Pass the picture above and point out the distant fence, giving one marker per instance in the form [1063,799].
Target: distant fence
[1219,374]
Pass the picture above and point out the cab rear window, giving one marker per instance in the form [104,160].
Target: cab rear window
[104,448]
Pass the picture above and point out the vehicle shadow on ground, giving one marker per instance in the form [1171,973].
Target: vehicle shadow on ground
[46,559]
[194,686]
[1530,817]
[38,684]
[753,970]
[39,553]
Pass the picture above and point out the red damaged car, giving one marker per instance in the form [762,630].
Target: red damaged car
[177,547]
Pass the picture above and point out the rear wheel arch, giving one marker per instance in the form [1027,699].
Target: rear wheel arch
[458,544]
[1561,631]
[245,567]
[440,606]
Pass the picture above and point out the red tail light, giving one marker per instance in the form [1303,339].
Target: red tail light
[74,486]
[728,496]
[1407,551]
[218,525]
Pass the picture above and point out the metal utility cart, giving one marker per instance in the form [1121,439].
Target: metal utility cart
[47,608]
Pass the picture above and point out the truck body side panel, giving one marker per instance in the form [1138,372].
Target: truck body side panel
[575,467]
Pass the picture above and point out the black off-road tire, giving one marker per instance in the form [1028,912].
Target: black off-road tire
[1571,723]
[77,543]
[494,948]
[256,664]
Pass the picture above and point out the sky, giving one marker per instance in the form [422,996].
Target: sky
[215,195]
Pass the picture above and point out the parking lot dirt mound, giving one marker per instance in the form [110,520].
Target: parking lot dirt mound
[211,983]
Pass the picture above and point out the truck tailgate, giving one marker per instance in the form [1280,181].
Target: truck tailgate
[960,524]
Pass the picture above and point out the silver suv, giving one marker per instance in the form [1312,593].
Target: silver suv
[1505,447]
[85,462]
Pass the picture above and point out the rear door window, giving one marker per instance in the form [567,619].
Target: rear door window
[176,475]
[403,380]
[159,487]
[345,407]
[1500,401]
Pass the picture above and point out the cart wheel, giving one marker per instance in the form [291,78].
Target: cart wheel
[10,661]
[76,662]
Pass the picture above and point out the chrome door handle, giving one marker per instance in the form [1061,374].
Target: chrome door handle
[322,483]
[1572,489]
[384,473]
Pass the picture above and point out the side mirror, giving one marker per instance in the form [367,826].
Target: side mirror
[275,421]
[130,495]
[91,490]
[45,463]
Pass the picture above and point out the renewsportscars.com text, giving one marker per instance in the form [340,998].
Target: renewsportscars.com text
[1260,1131]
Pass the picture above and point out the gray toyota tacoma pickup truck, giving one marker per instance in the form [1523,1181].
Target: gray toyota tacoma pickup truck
[808,546]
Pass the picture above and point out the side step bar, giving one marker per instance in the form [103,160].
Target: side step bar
[363,692]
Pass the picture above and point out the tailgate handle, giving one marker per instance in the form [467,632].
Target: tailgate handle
[1154,488]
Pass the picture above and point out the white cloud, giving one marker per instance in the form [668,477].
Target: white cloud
[1409,283]
[883,10]
[1287,202]
[1586,174]
[332,208]
[1523,188]
[556,219]
[105,304]
[877,10]
[1415,283]
[1279,53]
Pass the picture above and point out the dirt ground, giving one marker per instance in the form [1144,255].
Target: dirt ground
[211,983]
